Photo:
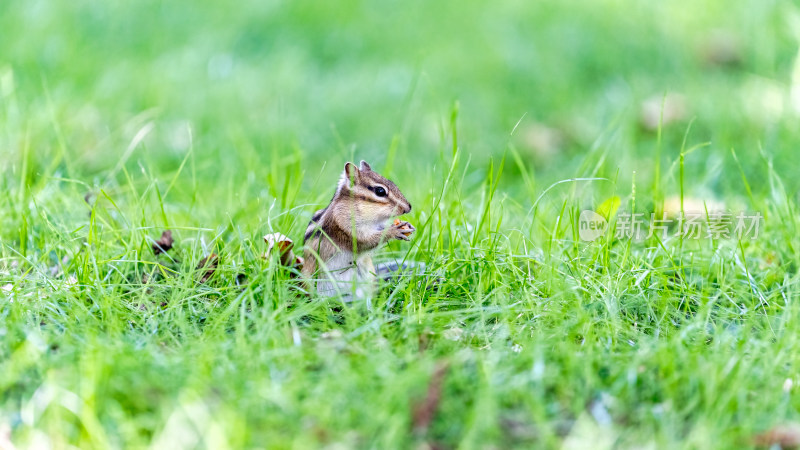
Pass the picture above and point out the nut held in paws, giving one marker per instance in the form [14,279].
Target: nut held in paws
[406,228]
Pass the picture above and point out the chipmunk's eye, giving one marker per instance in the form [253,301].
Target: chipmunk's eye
[379,191]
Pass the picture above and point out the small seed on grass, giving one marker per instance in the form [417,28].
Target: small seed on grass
[164,244]
[208,266]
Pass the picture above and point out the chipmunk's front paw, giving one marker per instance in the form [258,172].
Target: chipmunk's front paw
[401,230]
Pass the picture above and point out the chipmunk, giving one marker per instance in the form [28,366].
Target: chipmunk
[340,238]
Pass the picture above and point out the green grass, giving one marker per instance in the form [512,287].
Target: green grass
[119,120]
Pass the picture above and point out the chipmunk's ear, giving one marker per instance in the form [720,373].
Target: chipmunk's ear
[351,173]
[365,167]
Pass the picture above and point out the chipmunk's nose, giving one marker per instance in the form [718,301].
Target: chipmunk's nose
[408,209]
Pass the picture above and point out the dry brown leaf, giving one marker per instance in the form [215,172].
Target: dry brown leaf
[722,48]
[208,266]
[453,333]
[5,438]
[783,436]
[542,141]
[283,245]
[673,107]
[424,412]
[691,205]
[587,433]
[163,244]
[424,340]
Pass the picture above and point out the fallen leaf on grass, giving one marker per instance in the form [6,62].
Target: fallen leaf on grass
[587,433]
[542,141]
[424,340]
[5,438]
[333,340]
[424,412]
[453,334]
[208,266]
[781,436]
[662,110]
[284,246]
[164,244]
[691,205]
[722,48]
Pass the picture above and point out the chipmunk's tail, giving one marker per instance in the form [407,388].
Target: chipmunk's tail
[392,270]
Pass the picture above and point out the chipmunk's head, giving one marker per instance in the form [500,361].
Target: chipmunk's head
[375,196]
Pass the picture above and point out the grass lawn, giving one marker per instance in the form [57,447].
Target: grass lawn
[501,123]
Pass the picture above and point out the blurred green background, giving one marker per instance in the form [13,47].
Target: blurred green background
[226,120]
[263,85]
